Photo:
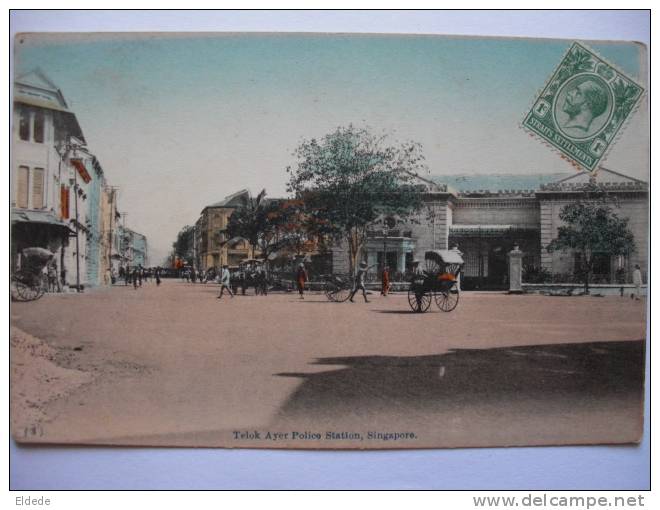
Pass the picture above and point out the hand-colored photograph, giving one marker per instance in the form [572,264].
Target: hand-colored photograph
[327,241]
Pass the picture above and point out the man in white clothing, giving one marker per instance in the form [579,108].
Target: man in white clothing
[224,282]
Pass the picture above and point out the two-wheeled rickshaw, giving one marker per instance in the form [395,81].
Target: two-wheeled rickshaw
[438,281]
[29,282]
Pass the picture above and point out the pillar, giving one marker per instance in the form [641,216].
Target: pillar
[515,271]
[401,262]
[458,277]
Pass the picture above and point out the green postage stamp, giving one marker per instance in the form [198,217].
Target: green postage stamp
[583,106]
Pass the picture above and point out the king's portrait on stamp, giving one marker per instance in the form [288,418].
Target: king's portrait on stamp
[583,107]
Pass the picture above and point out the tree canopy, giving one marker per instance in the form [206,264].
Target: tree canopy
[350,177]
[183,246]
[592,227]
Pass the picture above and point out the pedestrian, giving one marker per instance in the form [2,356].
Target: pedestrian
[134,277]
[637,282]
[53,284]
[358,283]
[157,274]
[113,276]
[140,273]
[385,280]
[301,278]
[224,282]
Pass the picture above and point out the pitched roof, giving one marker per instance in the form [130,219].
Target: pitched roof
[233,200]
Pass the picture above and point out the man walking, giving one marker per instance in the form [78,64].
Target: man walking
[359,281]
[637,282]
[224,282]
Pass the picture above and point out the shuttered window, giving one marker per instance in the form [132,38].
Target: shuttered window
[22,189]
[37,188]
[64,201]
[38,133]
[24,124]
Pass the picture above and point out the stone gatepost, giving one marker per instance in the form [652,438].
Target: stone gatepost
[458,277]
[515,271]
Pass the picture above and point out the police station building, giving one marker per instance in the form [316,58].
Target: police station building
[485,226]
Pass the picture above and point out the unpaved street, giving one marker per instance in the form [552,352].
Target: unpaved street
[176,366]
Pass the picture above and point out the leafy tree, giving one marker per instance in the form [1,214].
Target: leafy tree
[348,178]
[183,246]
[592,227]
[267,225]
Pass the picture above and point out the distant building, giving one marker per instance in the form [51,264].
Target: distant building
[213,248]
[133,247]
[110,258]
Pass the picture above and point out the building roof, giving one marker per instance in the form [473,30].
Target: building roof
[34,88]
[602,176]
[234,200]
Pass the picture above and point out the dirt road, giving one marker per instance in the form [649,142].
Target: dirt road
[174,365]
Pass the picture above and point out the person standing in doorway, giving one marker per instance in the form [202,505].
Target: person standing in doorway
[358,284]
[224,282]
[637,282]
[301,279]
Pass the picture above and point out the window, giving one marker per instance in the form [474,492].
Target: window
[22,187]
[24,124]
[38,132]
[64,201]
[37,188]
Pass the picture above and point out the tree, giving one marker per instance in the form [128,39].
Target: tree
[349,178]
[183,246]
[263,223]
[591,227]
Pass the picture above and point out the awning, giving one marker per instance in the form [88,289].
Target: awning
[24,216]
[476,230]
[80,166]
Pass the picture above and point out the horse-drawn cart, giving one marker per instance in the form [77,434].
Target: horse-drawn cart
[438,281]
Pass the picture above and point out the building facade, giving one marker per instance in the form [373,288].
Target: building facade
[213,248]
[59,197]
[485,226]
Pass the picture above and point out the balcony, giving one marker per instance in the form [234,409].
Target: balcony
[391,234]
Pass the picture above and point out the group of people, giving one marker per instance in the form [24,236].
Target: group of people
[137,274]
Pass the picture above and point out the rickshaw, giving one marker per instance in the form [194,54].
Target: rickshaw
[337,288]
[438,281]
[29,282]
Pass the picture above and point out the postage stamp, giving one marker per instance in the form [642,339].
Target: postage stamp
[583,106]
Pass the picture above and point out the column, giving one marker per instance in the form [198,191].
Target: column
[515,271]
[401,261]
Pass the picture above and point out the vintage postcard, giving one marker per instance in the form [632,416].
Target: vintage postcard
[328,241]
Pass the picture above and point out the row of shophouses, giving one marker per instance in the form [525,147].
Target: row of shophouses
[61,198]
[484,225]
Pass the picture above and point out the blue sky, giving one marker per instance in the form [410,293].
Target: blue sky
[179,122]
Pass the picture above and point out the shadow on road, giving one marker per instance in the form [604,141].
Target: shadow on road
[564,375]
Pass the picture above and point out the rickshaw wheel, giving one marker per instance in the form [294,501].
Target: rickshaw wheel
[447,300]
[336,293]
[418,300]
[18,290]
